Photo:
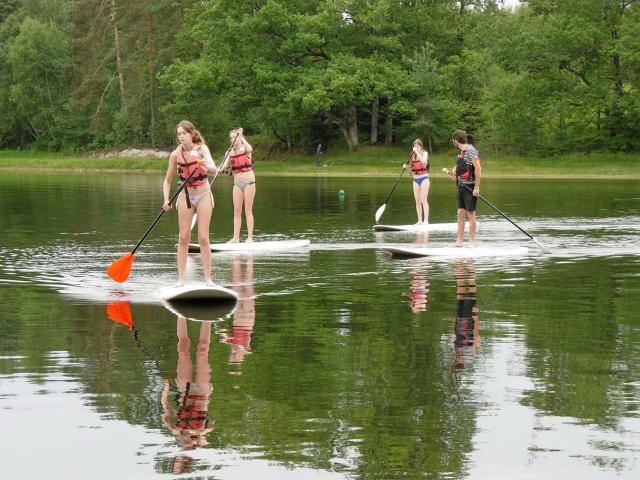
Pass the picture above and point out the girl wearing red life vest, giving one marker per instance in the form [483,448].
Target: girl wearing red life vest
[244,183]
[420,166]
[192,157]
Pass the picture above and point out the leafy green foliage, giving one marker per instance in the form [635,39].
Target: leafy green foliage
[38,59]
[550,77]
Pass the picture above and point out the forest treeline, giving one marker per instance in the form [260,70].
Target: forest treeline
[551,76]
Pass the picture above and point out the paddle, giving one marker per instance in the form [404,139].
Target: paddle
[120,312]
[121,268]
[542,247]
[224,159]
[382,208]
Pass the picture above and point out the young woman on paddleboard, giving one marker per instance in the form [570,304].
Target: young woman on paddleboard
[244,183]
[419,163]
[192,157]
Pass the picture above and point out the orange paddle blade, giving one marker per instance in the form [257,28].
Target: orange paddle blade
[120,269]
[120,312]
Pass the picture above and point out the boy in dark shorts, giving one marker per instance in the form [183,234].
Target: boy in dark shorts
[467,174]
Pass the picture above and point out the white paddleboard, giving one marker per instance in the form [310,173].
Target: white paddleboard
[197,293]
[459,252]
[202,312]
[250,247]
[428,227]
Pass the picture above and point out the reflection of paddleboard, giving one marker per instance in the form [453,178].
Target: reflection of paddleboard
[429,227]
[456,251]
[202,311]
[250,247]
[198,293]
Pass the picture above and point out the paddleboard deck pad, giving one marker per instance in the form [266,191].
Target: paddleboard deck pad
[428,227]
[251,247]
[197,293]
[459,252]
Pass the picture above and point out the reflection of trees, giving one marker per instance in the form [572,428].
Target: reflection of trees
[581,350]
[347,376]
[341,373]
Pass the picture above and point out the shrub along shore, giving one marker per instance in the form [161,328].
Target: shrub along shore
[367,161]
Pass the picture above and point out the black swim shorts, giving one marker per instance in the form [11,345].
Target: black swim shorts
[466,199]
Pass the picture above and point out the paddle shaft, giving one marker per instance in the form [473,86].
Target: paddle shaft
[180,188]
[226,154]
[404,167]
[497,210]
[224,159]
[395,185]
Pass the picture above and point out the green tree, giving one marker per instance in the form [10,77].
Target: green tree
[39,58]
[11,133]
[6,8]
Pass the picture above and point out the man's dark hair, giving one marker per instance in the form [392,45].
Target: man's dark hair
[460,136]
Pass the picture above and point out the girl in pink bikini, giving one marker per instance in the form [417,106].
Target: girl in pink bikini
[192,157]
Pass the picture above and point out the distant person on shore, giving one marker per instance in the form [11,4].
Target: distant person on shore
[192,157]
[318,154]
[467,174]
[244,183]
[420,166]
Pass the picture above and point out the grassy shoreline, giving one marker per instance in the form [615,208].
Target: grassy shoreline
[368,161]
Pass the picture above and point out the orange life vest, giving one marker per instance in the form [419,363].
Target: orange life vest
[418,167]
[185,167]
[240,162]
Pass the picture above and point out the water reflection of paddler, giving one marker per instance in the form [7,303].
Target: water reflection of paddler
[466,338]
[418,291]
[191,423]
[422,238]
[245,315]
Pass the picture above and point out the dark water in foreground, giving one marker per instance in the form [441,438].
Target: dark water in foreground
[339,361]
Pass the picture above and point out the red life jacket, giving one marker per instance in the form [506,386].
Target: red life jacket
[240,336]
[418,167]
[191,418]
[465,171]
[190,415]
[185,168]
[240,162]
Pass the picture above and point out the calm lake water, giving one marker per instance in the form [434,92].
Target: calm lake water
[339,361]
